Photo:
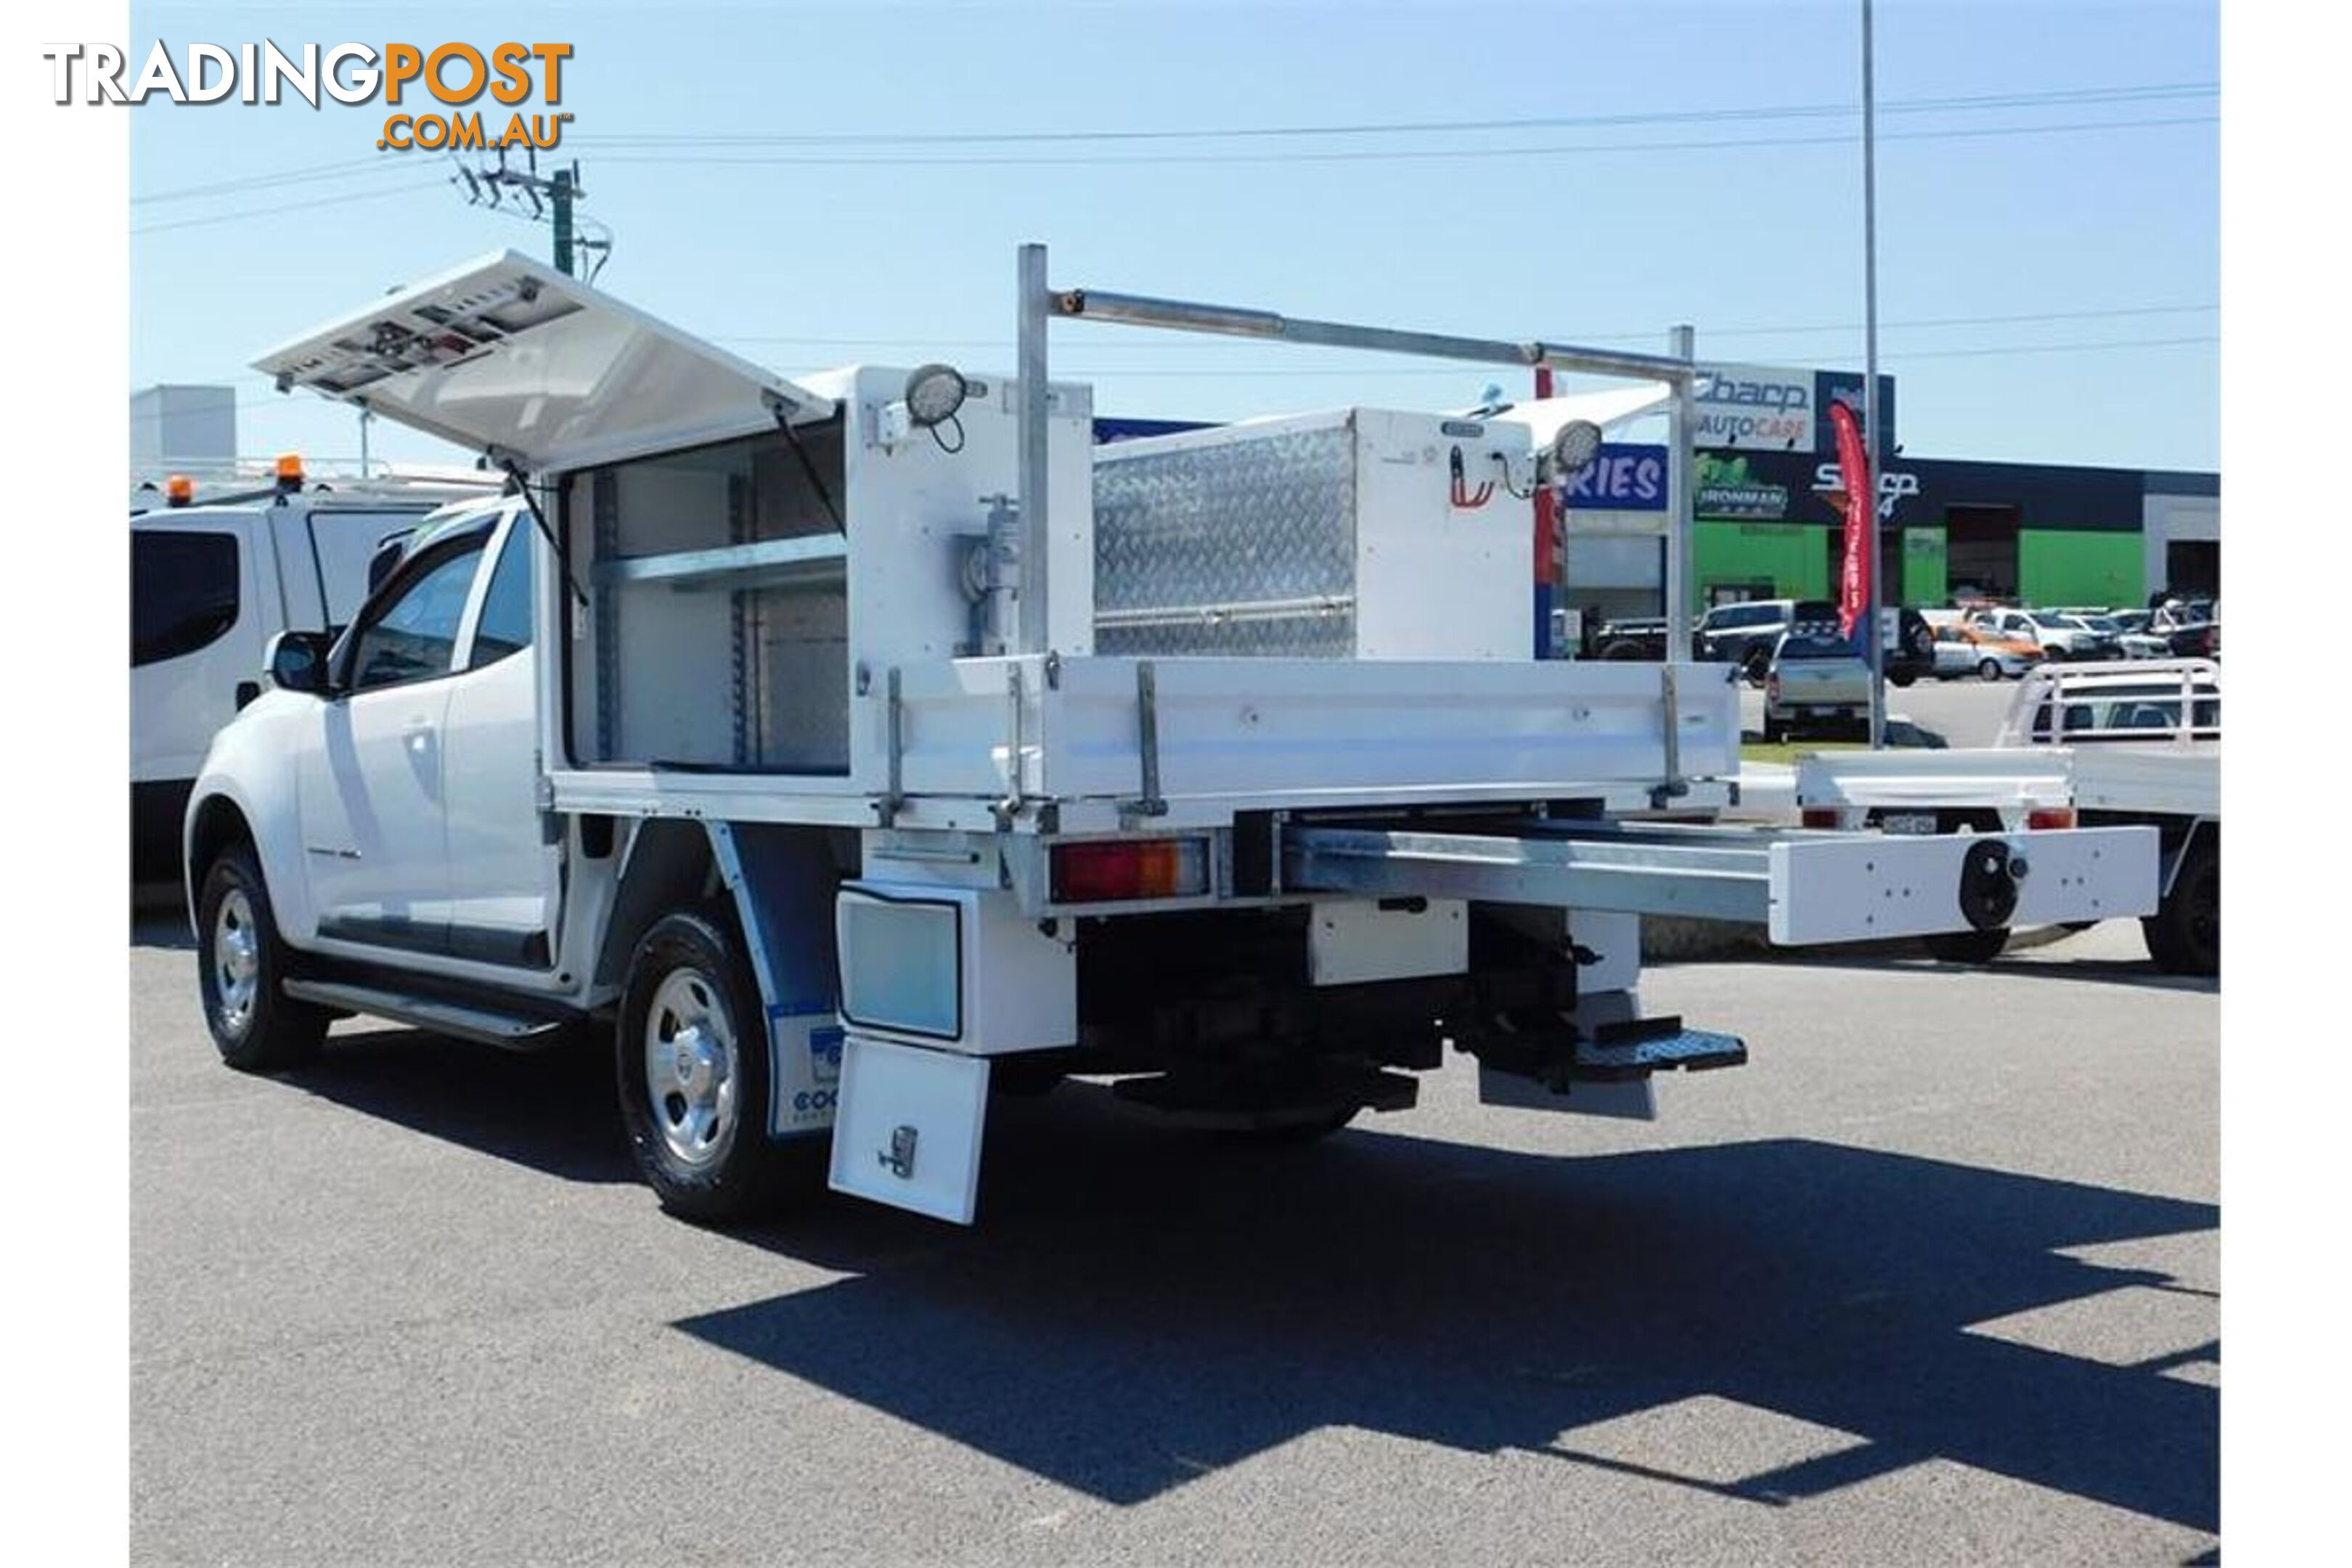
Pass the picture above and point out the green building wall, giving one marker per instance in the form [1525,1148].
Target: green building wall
[2079,568]
[1924,579]
[2055,566]
[1791,556]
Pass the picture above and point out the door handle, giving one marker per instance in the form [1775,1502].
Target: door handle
[418,732]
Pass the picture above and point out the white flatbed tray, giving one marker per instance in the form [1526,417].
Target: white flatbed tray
[1203,738]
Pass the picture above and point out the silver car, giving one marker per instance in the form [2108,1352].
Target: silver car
[1817,680]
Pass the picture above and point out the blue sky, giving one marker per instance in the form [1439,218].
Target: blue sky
[1660,192]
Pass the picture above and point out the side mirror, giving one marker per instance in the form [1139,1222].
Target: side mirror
[297,661]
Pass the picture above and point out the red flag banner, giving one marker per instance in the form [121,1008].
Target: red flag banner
[1861,507]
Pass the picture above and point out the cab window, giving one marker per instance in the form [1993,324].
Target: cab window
[505,626]
[415,637]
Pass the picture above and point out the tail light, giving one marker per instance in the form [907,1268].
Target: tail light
[1818,817]
[1772,687]
[2043,818]
[1115,871]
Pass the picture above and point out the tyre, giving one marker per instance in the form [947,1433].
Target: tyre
[240,963]
[1967,946]
[1990,670]
[1774,730]
[2184,935]
[1901,679]
[690,1053]
[1285,1133]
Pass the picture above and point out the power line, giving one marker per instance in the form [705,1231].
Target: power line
[1715,144]
[312,206]
[342,168]
[2145,92]
[2154,91]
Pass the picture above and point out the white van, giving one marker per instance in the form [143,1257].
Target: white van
[211,583]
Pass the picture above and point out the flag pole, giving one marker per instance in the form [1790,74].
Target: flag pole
[1875,449]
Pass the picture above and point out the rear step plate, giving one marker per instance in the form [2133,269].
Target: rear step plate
[1620,1051]
[514,1031]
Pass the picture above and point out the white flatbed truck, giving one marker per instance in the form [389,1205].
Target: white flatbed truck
[843,751]
[2081,745]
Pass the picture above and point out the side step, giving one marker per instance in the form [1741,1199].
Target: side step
[467,1021]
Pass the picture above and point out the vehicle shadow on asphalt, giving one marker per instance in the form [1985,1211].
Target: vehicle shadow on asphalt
[552,1110]
[1139,1307]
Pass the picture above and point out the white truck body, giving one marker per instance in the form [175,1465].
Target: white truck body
[788,691]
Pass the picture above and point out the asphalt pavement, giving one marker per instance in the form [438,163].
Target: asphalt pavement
[1932,1279]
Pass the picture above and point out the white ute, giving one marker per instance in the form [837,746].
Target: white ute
[2098,745]
[837,751]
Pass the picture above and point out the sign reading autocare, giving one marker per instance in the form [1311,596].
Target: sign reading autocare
[1778,409]
[1755,406]
[1623,478]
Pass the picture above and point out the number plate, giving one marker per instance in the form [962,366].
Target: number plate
[1909,821]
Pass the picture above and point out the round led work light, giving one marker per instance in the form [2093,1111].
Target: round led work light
[1573,449]
[934,393]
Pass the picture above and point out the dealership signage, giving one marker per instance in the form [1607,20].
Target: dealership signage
[1755,406]
[1894,487]
[1728,488]
[1623,478]
[1781,409]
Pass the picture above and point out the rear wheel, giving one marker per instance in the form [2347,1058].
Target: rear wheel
[1774,730]
[1967,946]
[690,1051]
[2184,935]
[240,964]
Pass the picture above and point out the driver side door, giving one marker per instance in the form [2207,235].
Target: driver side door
[374,808]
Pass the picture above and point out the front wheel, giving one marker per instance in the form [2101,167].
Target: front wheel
[690,1050]
[240,963]
[1990,670]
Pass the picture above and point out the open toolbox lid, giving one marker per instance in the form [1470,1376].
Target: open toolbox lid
[508,356]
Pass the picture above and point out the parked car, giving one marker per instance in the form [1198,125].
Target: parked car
[1815,678]
[2132,631]
[2059,636]
[1745,633]
[1968,649]
[1630,636]
[212,580]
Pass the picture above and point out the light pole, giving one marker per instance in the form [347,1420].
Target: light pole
[1873,447]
